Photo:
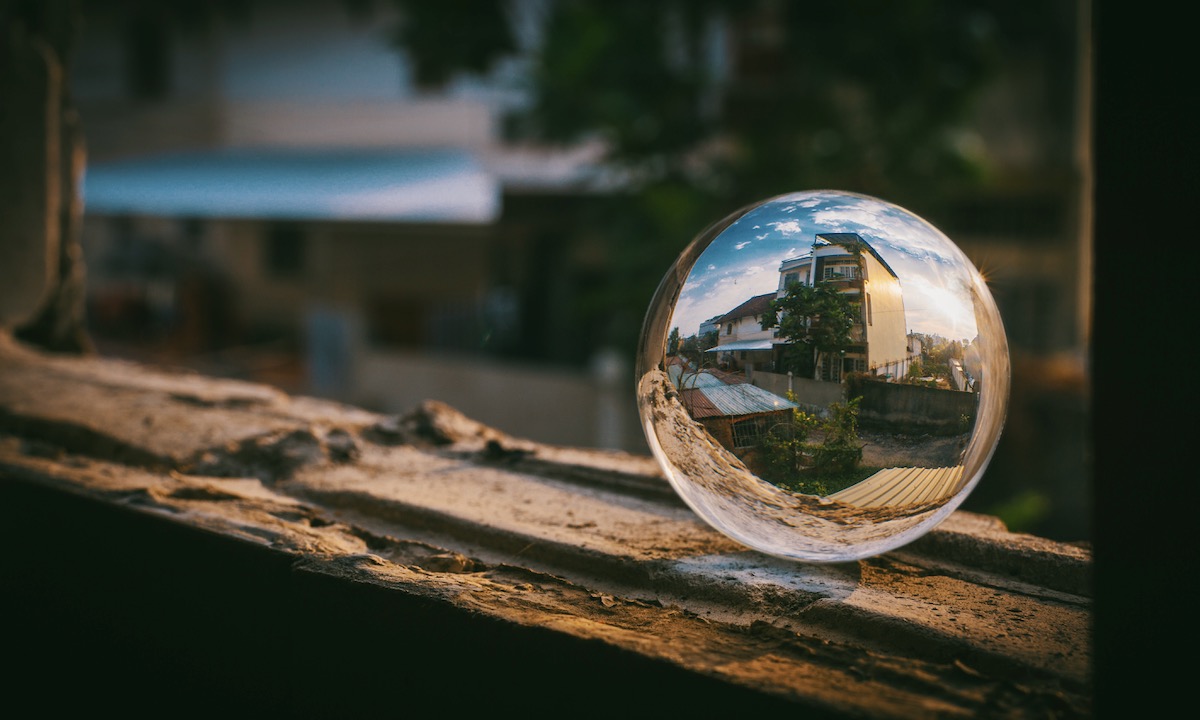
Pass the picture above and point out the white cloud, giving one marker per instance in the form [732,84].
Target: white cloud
[940,310]
[702,300]
[930,267]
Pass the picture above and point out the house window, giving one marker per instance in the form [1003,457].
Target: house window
[747,432]
[840,272]
[728,328]
[148,55]
[284,250]
[791,279]
[397,320]
[869,309]
[831,370]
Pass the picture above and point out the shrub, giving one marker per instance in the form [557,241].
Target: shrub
[787,459]
[841,451]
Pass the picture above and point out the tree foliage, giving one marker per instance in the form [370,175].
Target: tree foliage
[693,346]
[708,105]
[841,450]
[816,319]
[450,37]
[934,362]
[786,455]
[789,459]
[673,341]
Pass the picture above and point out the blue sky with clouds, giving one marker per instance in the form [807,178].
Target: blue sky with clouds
[743,261]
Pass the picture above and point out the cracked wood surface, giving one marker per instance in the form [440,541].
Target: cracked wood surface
[969,621]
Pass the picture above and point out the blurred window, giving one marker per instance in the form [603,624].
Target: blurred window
[148,55]
[397,320]
[285,250]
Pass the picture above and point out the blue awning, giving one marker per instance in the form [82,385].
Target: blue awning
[415,185]
[763,344]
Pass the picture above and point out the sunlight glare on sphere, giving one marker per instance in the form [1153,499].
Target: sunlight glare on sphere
[823,376]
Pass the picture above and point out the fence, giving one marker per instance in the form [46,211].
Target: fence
[813,396]
[912,408]
[886,406]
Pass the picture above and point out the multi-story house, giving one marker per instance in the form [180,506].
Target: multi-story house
[742,343]
[879,337]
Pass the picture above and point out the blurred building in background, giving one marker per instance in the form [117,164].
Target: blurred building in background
[269,197]
[272,194]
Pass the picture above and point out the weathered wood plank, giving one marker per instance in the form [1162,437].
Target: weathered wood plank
[589,546]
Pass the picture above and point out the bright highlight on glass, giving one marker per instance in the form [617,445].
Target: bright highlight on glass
[823,376]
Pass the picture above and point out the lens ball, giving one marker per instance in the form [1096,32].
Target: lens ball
[823,376]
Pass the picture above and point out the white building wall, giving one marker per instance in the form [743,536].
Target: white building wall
[883,308]
[748,328]
[288,74]
[796,266]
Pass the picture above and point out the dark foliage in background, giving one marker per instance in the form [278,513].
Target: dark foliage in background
[870,97]
[880,98]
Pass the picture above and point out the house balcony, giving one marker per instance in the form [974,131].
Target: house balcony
[845,284]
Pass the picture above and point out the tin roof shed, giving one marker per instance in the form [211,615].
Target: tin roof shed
[732,400]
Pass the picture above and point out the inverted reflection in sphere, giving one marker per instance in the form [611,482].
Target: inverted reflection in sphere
[823,376]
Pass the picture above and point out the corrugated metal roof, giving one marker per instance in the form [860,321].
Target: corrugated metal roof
[726,377]
[895,487]
[697,405]
[698,380]
[732,400]
[684,378]
[755,307]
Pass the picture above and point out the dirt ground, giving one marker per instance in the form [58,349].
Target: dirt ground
[891,450]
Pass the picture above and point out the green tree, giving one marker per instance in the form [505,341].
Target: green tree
[690,347]
[786,456]
[942,353]
[788,459]
[841,450]
[815,319]
[673,342]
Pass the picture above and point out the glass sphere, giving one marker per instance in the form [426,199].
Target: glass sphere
[823,376]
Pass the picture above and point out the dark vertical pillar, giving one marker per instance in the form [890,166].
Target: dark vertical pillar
[43,152]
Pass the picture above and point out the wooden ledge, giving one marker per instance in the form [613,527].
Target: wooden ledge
[218,543]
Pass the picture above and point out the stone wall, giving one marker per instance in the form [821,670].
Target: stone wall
[912,408]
